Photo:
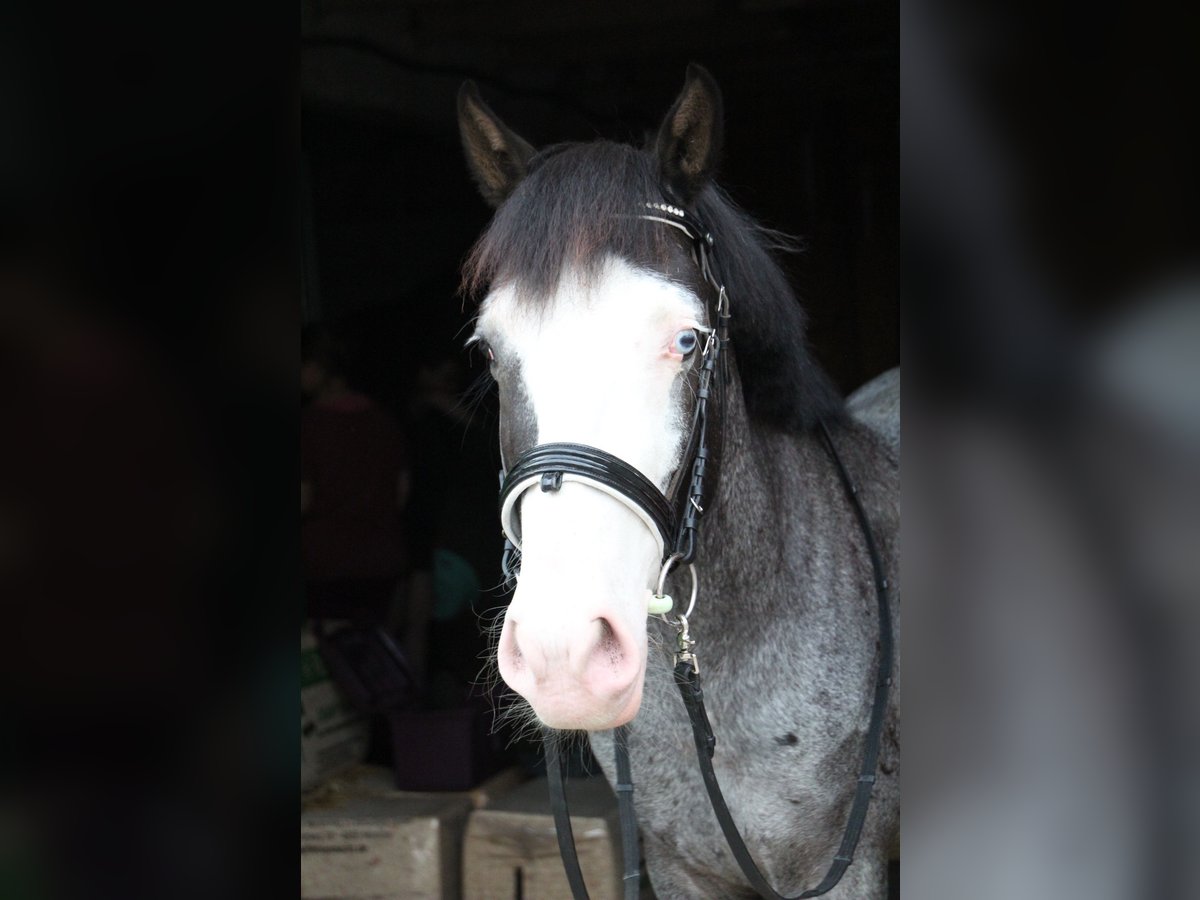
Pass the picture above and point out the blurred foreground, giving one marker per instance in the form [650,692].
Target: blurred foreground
[1052,426]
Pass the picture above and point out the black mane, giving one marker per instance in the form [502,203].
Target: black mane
[578,205]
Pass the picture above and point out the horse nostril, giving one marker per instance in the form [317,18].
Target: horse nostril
[510,647]
[609,644]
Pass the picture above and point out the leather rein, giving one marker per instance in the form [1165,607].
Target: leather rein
[673,519]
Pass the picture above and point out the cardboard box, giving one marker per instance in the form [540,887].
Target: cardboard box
[362,846]
[333,735]
[511,848]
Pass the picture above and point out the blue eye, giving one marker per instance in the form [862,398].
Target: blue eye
[685,342]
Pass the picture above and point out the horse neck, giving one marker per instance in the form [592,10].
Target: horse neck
[766,485]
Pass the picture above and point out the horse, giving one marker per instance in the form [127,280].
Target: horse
[595,315]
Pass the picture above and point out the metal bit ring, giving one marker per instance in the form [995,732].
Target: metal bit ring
[662,578]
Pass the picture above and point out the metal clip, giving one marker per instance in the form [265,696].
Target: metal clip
[686,651]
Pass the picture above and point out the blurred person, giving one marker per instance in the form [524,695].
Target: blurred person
[354,484]
[455,542]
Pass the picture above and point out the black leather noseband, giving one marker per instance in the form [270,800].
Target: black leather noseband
[554,461]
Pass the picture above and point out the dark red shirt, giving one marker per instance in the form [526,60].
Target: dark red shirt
[352,452]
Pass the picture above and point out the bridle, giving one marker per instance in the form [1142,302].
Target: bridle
[673,518]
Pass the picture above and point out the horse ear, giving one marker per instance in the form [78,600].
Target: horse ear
[496,155]
[690,137]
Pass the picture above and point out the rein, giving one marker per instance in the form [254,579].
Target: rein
[687,677]
[674,522]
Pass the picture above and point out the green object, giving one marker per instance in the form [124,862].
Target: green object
[659,604]
[455,585]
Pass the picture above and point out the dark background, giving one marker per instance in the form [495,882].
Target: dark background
[389,211]
[811,97]
[147,207]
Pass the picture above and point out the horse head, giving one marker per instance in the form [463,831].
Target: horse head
[595,319]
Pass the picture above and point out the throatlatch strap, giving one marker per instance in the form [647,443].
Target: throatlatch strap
[693,698]
[556,776]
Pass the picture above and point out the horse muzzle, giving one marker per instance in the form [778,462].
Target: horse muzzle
[582,672]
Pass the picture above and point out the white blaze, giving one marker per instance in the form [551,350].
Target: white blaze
[597,368]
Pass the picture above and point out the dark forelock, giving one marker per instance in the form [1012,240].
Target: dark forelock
[579,205]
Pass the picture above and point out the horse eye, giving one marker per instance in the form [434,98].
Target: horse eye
[685,342]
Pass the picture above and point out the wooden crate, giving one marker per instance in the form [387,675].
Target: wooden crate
[511,851]
[367,779]
[356,845]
